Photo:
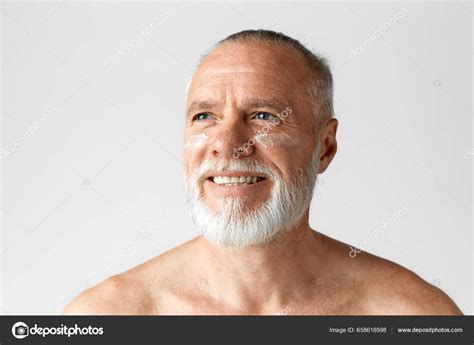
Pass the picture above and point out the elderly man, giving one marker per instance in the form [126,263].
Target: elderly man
[259,129]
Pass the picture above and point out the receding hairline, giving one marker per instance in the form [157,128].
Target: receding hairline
[256,43]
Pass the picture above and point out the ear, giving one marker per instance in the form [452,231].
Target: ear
[328,144]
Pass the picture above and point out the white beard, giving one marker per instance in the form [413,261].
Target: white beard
[235,225]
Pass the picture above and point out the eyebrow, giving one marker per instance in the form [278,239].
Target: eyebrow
[201,105]
[251,103]
[266,103]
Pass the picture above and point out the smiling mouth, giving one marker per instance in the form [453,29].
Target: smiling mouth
[236,180]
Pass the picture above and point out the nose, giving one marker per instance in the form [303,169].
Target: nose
[231,140]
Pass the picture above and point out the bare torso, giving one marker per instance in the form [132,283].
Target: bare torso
[175,284]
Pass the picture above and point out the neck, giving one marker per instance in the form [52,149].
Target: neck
[267,278]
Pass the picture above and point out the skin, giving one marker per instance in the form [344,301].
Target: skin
[303,271]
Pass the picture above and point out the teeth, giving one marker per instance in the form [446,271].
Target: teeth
[236,180]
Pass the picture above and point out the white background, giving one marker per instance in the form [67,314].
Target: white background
[79,195]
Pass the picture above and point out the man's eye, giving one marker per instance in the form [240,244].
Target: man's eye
[202,116]
[264,116]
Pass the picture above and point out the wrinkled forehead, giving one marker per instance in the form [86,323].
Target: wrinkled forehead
[251,69]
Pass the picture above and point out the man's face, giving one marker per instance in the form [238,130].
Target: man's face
[248,103]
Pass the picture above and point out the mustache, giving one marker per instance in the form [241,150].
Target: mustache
[238,165]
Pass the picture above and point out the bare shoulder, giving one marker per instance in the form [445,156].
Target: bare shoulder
[134,292]
[116,295]
[387,288]
[398,291]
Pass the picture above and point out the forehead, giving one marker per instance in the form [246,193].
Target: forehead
[251,70]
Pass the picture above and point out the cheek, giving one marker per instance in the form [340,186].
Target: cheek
[192,147]
[283,140]
[195,142]
[288,151]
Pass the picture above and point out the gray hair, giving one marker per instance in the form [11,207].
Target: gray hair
[321,85]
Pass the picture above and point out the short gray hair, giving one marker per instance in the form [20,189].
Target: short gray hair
[321,86]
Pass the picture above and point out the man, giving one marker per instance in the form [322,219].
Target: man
[259,129]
